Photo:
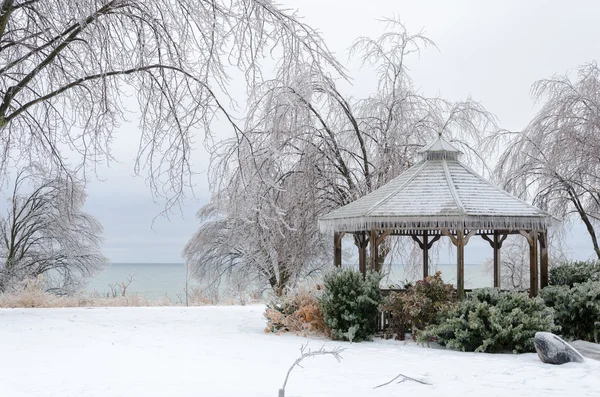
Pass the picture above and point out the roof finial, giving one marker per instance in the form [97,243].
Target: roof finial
[440,134]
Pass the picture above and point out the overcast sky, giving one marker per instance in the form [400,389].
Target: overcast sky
[491,52]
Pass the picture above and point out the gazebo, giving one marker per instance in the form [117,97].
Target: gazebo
[441,196]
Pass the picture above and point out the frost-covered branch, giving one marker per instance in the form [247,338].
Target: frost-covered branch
[403,378]
[308,148]
[305,353]
[555,160]
[67,67]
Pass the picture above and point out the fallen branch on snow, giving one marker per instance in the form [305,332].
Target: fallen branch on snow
[404,377]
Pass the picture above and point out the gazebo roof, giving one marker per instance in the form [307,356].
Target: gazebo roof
[438,192]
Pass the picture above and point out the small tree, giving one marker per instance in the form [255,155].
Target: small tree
[350,304]
[259,231]
[46,233]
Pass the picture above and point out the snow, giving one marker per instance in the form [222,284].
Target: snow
[223,351]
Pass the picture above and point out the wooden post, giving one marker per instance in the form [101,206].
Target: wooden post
[532,239]
[362,253]
[337,249]
[374,251]
[458,242]
[362,260]
[533,264]
[460,263]
[496,246]
[425,254]
[425,245]
[543,259]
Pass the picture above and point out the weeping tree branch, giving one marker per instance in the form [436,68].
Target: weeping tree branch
[307,149]
[555,159]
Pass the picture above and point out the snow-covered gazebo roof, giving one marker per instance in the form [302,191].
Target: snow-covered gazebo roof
[438,192]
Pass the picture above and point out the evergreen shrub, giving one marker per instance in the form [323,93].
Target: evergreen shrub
[350,304]
[570,273]
[492,321]
[420,305]
[576,309]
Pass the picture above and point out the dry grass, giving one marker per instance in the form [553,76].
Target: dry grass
[32,294]
[298,311]
[200,297]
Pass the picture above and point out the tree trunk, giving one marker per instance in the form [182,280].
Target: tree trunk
[585,219]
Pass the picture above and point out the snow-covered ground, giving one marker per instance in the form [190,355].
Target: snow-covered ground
[223,351]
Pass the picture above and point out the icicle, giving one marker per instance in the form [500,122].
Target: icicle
[442,222]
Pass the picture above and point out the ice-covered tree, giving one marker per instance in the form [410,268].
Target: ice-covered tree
[307,148]
[555,160]
[358,144]
[255,228]
[46,233]
[66,65]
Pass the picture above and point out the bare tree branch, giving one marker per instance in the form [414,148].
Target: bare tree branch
[67,65]
[404,378]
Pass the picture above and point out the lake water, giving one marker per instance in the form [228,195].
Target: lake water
[154,280]
[476,275]
[151,280]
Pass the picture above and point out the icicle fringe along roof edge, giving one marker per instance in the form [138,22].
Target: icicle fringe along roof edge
[436,223]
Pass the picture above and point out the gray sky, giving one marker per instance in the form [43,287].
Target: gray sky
[491,52]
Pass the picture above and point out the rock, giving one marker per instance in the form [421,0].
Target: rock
[553,350]
[587,349]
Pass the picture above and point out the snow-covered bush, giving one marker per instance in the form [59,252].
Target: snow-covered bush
[419,306]
[298,310]
[570,273]
[350,304]
[492,321]
[576,309]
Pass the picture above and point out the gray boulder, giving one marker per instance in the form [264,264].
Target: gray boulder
[553,350]
[587,349]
